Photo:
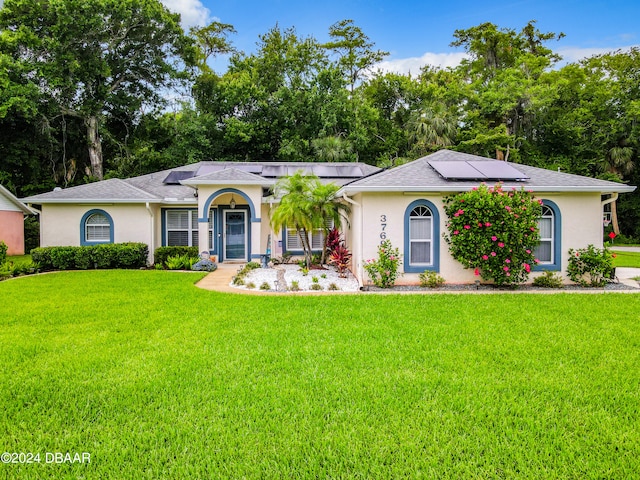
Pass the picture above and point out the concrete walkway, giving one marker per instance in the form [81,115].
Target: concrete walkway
[220,279]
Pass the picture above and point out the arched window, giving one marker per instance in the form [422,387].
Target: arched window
[96,227]
[549,249]
[422,233]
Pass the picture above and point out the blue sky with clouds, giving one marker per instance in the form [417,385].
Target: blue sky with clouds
[419,32]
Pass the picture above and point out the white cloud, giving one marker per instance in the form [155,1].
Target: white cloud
[193,12]
[575,54]
[413,65]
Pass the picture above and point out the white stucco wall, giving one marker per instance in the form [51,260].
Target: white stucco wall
[581,225]
[60,224]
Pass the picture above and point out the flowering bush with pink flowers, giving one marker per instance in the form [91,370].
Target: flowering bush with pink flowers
[384,271]
[494,231]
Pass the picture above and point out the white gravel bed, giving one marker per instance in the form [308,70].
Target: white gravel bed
[326,277]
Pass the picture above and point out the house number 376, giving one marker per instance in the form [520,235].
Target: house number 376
[383,228]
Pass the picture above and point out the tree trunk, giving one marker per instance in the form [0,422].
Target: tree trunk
[95,147]
[614,218]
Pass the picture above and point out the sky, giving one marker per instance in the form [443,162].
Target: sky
[416,33]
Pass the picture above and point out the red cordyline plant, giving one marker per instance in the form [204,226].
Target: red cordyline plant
[340,257]
[494,231]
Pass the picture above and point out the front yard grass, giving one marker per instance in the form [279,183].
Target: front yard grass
[626,259]
[158,379]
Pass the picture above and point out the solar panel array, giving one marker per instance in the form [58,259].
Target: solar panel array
[478,170]
[271,170]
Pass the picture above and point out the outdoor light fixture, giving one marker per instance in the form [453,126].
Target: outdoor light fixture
[275,283]
[232,203]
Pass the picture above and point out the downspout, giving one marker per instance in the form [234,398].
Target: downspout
[151,243]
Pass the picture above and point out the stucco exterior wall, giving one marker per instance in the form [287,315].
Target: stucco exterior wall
[60,225]
[12,231]
[381,215]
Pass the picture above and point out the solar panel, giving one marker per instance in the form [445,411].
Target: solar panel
[477,170]
[457,170]
[255,168]
[305,170]
[206,169]
[274,171]
[175,176]
[497,170]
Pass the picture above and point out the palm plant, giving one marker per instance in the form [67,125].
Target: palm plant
[619,161]
[432,127]
[295,210]
[327,209]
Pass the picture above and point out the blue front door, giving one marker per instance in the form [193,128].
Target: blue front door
[235,235]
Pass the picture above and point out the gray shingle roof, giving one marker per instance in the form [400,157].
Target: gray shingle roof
[151,187]
[420,176]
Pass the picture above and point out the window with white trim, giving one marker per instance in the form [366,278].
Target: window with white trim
[421,236]
[316,237]
[544,251]
[97,228]
[182,228]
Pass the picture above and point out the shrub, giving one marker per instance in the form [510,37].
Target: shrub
[251,285]
[340,257]
[108,255]
[333,287]
[265,286]
[252,266]
[181,262]
[316,286]
[3,252]
[238,280]
[295,286]
[590,266]
[494,232]
[548,279]
[430,279]
[162,253]
[384,271]
[334,240]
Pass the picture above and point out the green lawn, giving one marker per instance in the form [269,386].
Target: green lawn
[626,259]
[158,379]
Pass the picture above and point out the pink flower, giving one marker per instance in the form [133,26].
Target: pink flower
[480,224]
[493,254]
[527,267]
[467,227]
[528,251]
[494,238]
[536,260]
[485,257]
[506,269]
[456,232]
[508,208]
[487,224]
[507,261]
[476,272]
[501,245]
[508,274]
[460,212]
[456,214]
[533,229]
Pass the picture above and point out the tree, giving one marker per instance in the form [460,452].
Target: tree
[326,208]
[90,57]
[355,50]
[295,208]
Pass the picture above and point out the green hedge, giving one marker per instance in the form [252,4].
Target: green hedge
[107,255]
[162,253]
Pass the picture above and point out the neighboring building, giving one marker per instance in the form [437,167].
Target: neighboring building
[224,209]
[12,212]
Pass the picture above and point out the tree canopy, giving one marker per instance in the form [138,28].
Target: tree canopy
[88,88]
